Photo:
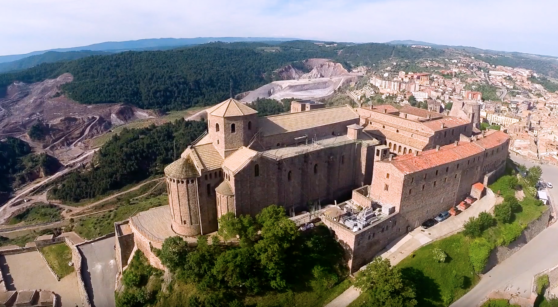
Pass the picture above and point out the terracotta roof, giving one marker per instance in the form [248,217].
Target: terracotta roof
[419,112]
[447,154]
[181,169]
[238,159]
[208,156]
[449,122]
[389,109]
[277,124]
[230,108]
[224,189]
[478,186]
[397,137]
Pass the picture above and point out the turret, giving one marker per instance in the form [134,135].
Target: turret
[182,185]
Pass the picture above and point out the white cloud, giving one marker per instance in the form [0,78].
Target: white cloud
[515,25]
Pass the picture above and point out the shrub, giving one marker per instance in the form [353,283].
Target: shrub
[542,283]
[486,220]
[479,252]
[323,279]
[476,226]
[513,203]
[439,255]
[503,213]
[510,232]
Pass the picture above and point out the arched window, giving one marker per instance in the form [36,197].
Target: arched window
[315,168]
[256,170]
[342,159]
[405,150]
[233,128]
[290,176]
[249,125]
[208,189]
[217,127]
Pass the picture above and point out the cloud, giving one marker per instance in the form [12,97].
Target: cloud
[512,25]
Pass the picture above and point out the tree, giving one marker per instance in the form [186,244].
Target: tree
[479,251]
[486,220]
[534,175]
[245,227]
[239,268]
[412,100]
[448,106]
[476,226]
[384,285]
[439,255]
[173,253]
[503,213]
[513,203]
[38,131]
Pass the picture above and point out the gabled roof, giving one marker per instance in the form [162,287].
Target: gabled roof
[224,189]
[207,156]
[277,124]
[231,108]
[239,159]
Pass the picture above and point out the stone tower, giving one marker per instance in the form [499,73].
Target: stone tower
[231,125]
[182,185]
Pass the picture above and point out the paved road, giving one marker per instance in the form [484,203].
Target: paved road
[516,273]
[99,271]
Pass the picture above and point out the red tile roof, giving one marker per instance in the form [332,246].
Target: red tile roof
[420,112]
[478,186]
[449,122]
[447,154]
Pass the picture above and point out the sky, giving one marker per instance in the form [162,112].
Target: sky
[507,25]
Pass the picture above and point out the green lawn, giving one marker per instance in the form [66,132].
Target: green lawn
[498,303]
[98,225]
[41,213]
[58,256]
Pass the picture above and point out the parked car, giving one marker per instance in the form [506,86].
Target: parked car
[428,223]
[549,185]
[442,216]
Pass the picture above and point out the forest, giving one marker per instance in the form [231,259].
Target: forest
[129,157]
[19,166]
[200,75]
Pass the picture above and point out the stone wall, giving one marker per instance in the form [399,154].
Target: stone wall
[502,253]
[124,246]
[77,259]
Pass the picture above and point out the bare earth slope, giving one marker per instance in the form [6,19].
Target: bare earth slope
[69,123]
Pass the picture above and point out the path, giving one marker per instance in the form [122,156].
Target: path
[77,210]
[400,249]
[99,271]
[86,131]
[516,273]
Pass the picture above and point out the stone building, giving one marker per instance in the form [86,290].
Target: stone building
[468,110]
[411,129]
[409,189]
[245,163]
[305,105]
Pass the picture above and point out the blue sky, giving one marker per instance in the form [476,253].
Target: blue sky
[509,25]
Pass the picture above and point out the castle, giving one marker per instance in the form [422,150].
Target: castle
[315,158]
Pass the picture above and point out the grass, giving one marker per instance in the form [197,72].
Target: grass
[58,256]
[95,226]
[498,303]
[542,283]
[19,241]
[37,214]
[170,117]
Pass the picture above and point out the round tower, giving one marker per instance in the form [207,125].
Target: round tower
[181,176]
[231,125]
[225,199]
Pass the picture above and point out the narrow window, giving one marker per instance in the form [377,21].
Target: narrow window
[257,170]
[445,180]
[434,183]
[386,187]
[233,128]
[412,179]
[289,176]
[315,168]
[410,191]
[249,125]
[387,176]
[332,132]
[423,187]
[217,127]
[425,176]
[343,159]
[210,176]
[436,172]
[208,189]
[457,165]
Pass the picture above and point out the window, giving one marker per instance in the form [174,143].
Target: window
[257,170]
[436,172]
[455,176]
[423,187]
[210,176]
[386,187]
[315,168]
[217,141]
[217,127]
[424,176]
[208,189]
[249,125]
[233,128]
[343,159]
[434,183]
[445,180]
[410,191]
[457,165]
[387,176]
[205,176]
[412,179]
[332,132]
[289,175]
[397,130]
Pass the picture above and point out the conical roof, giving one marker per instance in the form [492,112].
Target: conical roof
[224,189]
[231,107]
[181,169]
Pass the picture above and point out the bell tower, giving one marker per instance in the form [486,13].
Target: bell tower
[231,125]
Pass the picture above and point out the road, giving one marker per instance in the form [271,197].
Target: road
[515,274]
[99,271]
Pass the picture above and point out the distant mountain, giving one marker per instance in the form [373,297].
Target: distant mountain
[412,42]
[146,44]
[48,57]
